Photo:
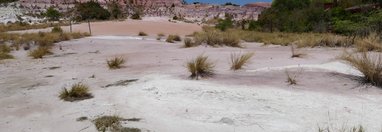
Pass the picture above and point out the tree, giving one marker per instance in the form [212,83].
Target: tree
[91,10]
[52,14]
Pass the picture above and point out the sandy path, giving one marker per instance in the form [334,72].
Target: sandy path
[254,99]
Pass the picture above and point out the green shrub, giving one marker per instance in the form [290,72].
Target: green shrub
[77,92]
[115,63]
[91,10]
[200,67]
[52,14]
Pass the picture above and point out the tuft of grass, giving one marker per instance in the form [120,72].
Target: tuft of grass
[40,52]
[372,42]
[4,52]
[230,39]
[141,33]
[4,56]
[359,128]
[200,67]
[291,80]
[173,38]
[113,124]
[57,29]
[215,38]
[238,60]
[115,63]
[370,65]
[188,42]
[77,92]
[295,54]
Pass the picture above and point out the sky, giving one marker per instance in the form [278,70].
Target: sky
[240,2]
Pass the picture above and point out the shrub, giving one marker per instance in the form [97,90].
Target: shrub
[230,39]
[238,60]
[172,38]
[115,63]
[53,14]
[136,16]
[200,67]
[40,52]
[5,48]
[4,55]
[77,92]
[57,29]
[142,33]
[291,80]
[373,42]
[368,64]
[91,10]
[113,124]
[189,43]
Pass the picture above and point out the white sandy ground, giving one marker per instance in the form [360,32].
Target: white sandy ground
[254,99]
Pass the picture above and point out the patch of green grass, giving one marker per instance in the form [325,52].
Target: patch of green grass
[238,60]
[200,67]
[115,63]
[77,92]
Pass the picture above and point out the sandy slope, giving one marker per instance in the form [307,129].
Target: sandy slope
[254,99]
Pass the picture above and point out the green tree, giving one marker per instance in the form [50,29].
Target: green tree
[91,10]
[52,14]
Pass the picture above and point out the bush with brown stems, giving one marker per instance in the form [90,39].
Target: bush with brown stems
[372,42]
[239,60]
[77,92]
[188,42]
[173,38]
[200,67]
[115,63]
[142,33]
[370,65]
[40,52]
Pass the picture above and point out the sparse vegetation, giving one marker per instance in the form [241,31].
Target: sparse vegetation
[295,54]
[215,37]
[291,79]
[373,42]
[112,124]
[343,129]
[77,92]
[57,29]
[115,63]
[370,65]
[40,52]
[4,52]
[200,67]
[142,33]
[160,36]
[238,60]
[188,42]
[173,38]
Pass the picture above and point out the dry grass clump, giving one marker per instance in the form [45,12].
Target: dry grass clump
[291,80]
[115,63]
[142,33]
[77,92]
[370,65]
[299,39]
[57,29]
[188,42]
[112,124]
[173,38]
[25,26]
[215,37]
[40,52]
[238,60]
[4,52]
[343,129]
[200,67]
[373,42]
[295,54]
